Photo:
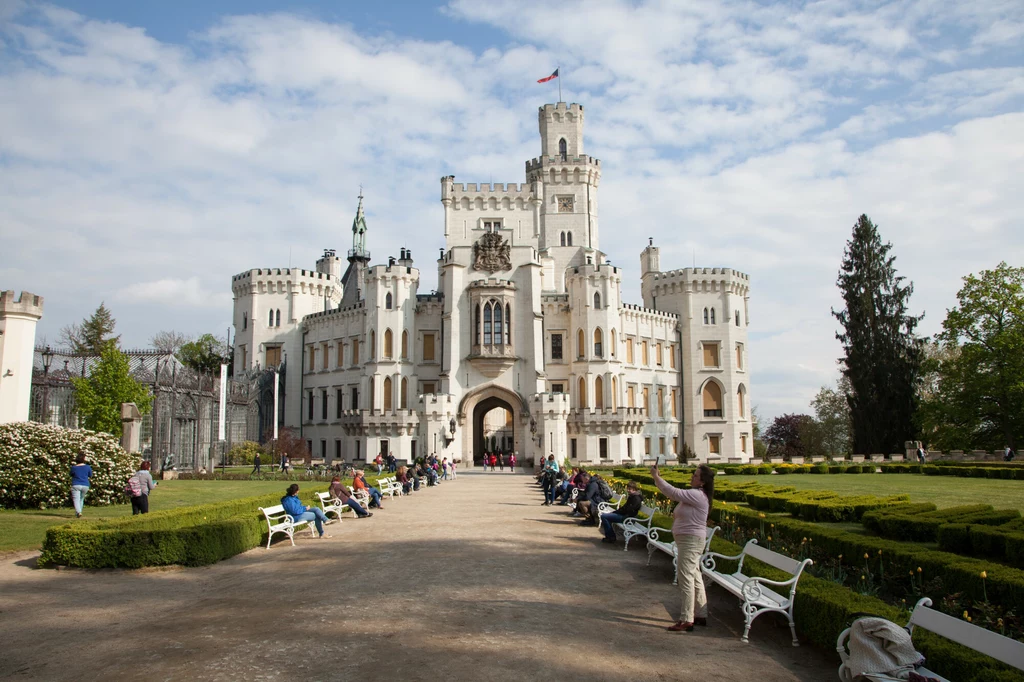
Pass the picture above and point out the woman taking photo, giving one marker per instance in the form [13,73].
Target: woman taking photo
[688,527]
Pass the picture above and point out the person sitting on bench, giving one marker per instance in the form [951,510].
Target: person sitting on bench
[300,512]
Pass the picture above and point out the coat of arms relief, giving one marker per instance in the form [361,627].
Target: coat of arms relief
[492,253]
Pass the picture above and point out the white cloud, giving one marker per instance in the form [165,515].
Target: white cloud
[175,293]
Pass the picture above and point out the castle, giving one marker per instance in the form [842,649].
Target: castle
[527,318]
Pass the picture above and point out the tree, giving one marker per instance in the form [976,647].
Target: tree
[783,436]
[169,341]
[93,334]
[979,401]
[760,448]
[99,396]
[882,353]
[832,414]
[205,354]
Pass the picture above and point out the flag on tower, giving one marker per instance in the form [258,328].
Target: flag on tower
[551,77]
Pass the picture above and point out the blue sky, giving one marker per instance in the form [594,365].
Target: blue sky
[148,151]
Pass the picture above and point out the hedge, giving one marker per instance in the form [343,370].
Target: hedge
[997,543]
[898,524]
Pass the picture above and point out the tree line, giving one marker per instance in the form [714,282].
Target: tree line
[962,390]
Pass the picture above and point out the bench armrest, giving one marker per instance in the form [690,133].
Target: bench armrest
[708,563]
[654,532]
[288,518]
[751,587]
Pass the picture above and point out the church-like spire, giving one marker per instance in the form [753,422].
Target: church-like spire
[359,232]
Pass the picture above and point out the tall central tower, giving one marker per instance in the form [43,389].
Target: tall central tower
[570,178]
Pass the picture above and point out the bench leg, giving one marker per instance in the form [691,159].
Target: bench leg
[650,553]
[792,626]
[675,570]
[749,614]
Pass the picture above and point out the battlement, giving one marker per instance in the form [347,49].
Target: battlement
[434,297]
[391,271]
[26,304]
[272,273]
[548,111]
[557,161]
[492,189]
[649,312]
[702,273]
[598,269]
[697,280]
[492,283]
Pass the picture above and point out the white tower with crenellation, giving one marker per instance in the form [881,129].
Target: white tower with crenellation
[18,318]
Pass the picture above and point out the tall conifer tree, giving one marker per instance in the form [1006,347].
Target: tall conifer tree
[882,353]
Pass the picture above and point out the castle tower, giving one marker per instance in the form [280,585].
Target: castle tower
[329,264]
[352,281]
[18,318]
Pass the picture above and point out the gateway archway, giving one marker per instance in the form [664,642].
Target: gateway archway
[495,414]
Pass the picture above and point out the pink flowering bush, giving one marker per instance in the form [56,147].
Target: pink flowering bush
[36,459]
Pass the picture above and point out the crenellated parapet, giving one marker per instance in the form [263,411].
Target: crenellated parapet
[284,280]
[699,280]
[637,312]
[26,305]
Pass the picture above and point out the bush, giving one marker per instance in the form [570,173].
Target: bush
[36,459]
[820,469]
[765,469]
[245,453]
[835,469]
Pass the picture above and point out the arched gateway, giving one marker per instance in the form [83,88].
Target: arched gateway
[473,409]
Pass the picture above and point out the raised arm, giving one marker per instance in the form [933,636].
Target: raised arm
[673,493]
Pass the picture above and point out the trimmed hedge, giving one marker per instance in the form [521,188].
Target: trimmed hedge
[901,524]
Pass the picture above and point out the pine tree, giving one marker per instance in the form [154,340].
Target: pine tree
[93,334]
[882,353]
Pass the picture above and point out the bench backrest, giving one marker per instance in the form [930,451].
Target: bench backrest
[648,512]
[1001,648]
[708,534]
[270,512]
[779,561]
[325,498]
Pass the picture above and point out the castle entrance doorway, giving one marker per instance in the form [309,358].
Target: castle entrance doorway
[493,429]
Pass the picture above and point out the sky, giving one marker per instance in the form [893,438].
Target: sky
[150,151]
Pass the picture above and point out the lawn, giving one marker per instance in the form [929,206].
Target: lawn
[943,491]
[25,528]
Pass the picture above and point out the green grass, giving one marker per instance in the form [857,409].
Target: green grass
[943,491]
[25,528]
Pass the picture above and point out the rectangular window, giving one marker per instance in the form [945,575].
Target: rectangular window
[631,395]
[355,352]
[572,448]
[647,401]
[309,410]
[245,357]
[558,388]
[340,361]
[273,356]
[412,451]
[714,445]
[354,403]
[428,348]
[743,442]
[629,448]
[739,356]
[711,355]
[661,402]
[429,387]
[675,445]
[629,351]
[672,355]
[675,407]
[661,445]
[309,448]
[602,444]
[556,346]
[338,394]
[657,354]
[325,357]
[647,446]
[359,448]
[323,404]
[644,355]
[323,450]
[491,225]
[312,358]
[337,449]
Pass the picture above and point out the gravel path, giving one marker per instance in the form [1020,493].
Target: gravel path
[472,580]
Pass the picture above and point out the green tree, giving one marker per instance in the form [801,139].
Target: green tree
[93,334]
[882,354]
[979,401]
[205,354]
[99,395]
[832,417]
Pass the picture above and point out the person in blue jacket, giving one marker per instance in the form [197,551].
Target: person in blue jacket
[80,475]
[300,512]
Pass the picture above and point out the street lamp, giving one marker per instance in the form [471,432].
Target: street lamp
[451,427]
[47,361]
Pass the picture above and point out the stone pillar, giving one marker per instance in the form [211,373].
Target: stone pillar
[18,318]
[131,427]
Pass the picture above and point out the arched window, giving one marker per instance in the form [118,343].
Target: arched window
[387,394]
[278,318]
[712,395]
[581,396]
[245,320]
[598,393]
[563,238]
[597,301]
[405,345]
[270,323]
[562,149]
[476,332]
[388,344]
[373,345]
[612,349]
[389,301]
[580,344]
[499,332]
[508,324]
[615,394]
[598,345]
[705,316]
[712,316]
[568,238]
[741,401]
[737,318]
[487,324]
[404,398]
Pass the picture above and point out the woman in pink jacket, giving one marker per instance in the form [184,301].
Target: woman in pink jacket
[688,528]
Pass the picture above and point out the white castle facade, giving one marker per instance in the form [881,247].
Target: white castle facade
[527,317]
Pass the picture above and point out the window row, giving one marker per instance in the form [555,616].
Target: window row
[711,357]
[492,324]
[715,443]
[318,356]
[709,316]
[350,400]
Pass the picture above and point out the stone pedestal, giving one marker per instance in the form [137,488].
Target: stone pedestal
[131,427]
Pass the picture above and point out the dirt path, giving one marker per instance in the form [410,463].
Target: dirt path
[473,580]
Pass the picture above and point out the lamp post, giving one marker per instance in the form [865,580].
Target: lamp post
[47,361]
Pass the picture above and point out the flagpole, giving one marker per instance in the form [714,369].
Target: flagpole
[559,79]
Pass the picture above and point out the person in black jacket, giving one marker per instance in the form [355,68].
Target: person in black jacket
[588,501]
[630,509]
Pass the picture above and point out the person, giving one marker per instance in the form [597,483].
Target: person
[80,475]
[688,529]
[550,472]
[284,464]
[512,463]
[299,512]
[1008,454]
[403,479]
[494,461]
[340,492]
[140,502]
[444,469]
[455,466]
[379,463]
[255,464]
[501,461]
[921,455]
[587,501]
[359,483]
[629,510]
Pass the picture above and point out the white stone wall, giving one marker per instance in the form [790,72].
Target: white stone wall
[18,318]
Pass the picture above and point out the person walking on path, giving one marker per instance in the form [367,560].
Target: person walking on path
[688,528]
[501,461]
[255,464]
[298,511]
[512,463]
[141,490]
[80,475]
[455,466]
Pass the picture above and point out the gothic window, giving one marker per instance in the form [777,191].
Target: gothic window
[562,149]
[389,301]
[508,324]
[598,339]
[487,324]
[580,344]
[499,333]
[613,341]
[597,301]
[245,321]
[712,316]
[388,343]
[373,344]
[599,393]
[562,240]
[278,323]
[405,345]
[615,395]
[737,318]
[712,398]
[404,404]
[270,323]
[581,396]
[387,394]
[568,238]
[741,399]
[705,316]
[476,332]
[556,346]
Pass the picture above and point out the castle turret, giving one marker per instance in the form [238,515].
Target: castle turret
[18,318]
[329,264]
[358,258]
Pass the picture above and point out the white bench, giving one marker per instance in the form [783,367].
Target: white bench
[754,591]
[635,526]
[390,486]
[611,505]
[1009,651]
[332,505]
[668,546]
[280,521]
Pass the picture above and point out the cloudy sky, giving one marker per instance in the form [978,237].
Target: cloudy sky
[149,151]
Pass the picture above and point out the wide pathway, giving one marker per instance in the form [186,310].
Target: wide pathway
[472,580]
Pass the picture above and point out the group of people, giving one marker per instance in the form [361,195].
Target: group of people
[340,494]
[388,461]
[689,522]
[499,460]
[138,486]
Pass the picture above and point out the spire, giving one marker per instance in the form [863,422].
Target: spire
[359,232]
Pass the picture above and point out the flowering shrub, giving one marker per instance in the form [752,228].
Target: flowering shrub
[36,459]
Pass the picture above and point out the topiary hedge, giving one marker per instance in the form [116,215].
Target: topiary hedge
[36,459]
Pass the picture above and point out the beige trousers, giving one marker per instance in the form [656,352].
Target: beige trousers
[691,583]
